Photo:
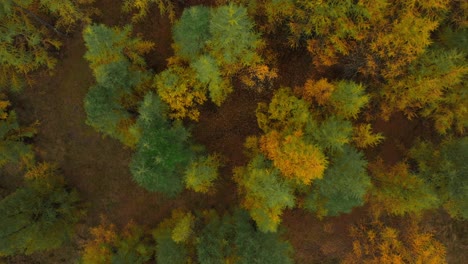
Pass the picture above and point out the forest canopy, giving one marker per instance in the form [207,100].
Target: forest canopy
[264,131]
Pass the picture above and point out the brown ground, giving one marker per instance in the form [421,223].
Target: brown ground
[98,167]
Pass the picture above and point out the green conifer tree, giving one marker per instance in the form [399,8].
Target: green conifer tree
[343,186]
[266,193]
[443,167]
[39,216]
[116,60]
[12,146]
[27,36]
[163,151]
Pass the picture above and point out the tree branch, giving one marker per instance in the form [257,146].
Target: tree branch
[40,20]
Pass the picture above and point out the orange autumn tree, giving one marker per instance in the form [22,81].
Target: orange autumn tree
[377,243]
[283,121]
[293,156]
[266,193]
[433,87]
[374,38]
[303,145]
[110,245]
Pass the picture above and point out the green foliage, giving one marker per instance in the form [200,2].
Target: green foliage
[258,247]
[333,133]
[168,251]
[106,45]
[109,246]
[343,186]
[113,55]
[39,216]
[173,237]
[398,191]
[12,147]
[232,38]
[234,239]
[191,32]
[183,228]
[163,151]
[212,45]
[434,87]
[214,240]
[140,8]
[363,136]
[104,113]
[444,168]
[285,111]
[208,74]
[450,39]
[201,173]
[348,98]
[266,192]
[231,238]
[26,41]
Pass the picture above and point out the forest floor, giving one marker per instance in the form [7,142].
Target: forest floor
[98,167]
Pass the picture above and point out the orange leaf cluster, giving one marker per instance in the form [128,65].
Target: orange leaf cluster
[293,157]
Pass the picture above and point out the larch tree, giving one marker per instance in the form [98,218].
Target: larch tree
[212,46]
[116,60]
[398,191]
[12,136]
[213,238]
[434,87]
[163,151]
[344,185]
[173,238]
[443,167]
[39,216]
[379,243]
[284,121]
[372,38]
[109,245]
[27,37]
[140,8]
[201,173]
[266,193]
[308,141]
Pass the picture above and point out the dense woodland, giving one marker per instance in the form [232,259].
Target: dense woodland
[244,131]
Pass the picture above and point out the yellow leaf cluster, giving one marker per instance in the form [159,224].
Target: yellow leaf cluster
[3,107]
[293,157]
[183,228]
[183,102]
[127,129]
[184,96]
[95,251]
[363,136]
